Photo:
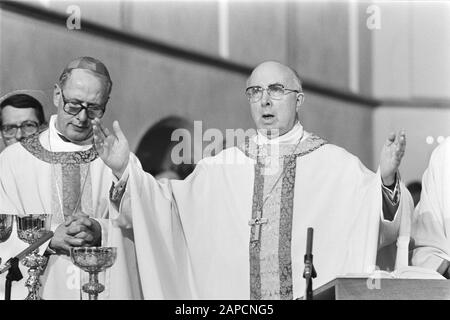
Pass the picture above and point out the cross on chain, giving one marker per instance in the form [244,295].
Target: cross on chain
[257,222]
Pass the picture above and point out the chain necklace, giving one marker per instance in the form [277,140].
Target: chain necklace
[291,158]
[259,220]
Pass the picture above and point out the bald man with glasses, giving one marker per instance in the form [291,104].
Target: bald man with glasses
[236,227]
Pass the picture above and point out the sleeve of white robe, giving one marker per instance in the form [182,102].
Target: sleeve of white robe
[396,231]
[389,229]
[10,199]
[431,218]
[159,238]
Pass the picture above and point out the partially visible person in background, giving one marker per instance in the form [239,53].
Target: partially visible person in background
[155,149]
[431,220]
[21,115]
[415,188]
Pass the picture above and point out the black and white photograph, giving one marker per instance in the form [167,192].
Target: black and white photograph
[216,153]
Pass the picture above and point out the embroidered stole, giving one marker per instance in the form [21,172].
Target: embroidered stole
[70,171]
[270,255]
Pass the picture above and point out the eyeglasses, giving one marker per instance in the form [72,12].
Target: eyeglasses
[275,91]
[74,107]
[28,127]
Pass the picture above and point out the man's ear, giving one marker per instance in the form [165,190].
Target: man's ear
[300,100]
[56,95]
[106,100]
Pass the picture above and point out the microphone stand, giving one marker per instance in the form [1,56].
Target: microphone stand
[310,272]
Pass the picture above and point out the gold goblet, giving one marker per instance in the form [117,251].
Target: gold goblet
[31,228]
[93,260]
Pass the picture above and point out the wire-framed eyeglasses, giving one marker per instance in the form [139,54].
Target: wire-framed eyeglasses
[275,91]
[27,128]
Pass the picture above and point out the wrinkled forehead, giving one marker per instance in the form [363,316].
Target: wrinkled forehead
[84,79]
[270,74]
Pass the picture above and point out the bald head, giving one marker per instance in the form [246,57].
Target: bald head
[278,72]
[92,65]
[274,113]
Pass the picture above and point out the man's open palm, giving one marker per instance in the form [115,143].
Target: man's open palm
[112,148]
[391,156]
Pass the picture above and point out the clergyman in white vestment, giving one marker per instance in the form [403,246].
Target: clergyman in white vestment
[58,172]
[431,220]
[236,227]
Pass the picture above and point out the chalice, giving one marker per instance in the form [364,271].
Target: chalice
[6,225]
[93,260]
[31,228]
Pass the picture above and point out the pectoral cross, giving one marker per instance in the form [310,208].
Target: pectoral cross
[256,223]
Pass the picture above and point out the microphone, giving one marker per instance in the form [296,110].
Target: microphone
[308,255]
[309,273]
[48,235]
[309,240]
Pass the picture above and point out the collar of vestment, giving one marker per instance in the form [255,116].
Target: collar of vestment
[284,146]
[290,137]
[48,146]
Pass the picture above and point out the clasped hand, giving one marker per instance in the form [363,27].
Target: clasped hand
[78,231]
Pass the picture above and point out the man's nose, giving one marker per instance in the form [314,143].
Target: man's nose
[82,116]
[265,99]
[19,135]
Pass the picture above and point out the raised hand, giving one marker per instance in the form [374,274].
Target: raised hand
[391,156]
[112,148]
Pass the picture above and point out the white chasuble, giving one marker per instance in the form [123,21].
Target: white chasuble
[236,227]
[46,175]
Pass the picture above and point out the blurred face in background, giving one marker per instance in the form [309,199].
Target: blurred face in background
[18,123]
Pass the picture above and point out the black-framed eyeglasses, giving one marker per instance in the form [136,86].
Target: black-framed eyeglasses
[27,128]
[74,107]
[276,91]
